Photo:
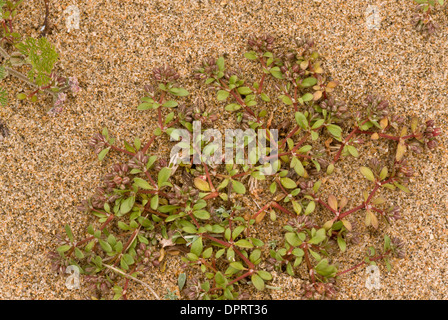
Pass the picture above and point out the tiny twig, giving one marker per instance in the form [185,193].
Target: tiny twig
[132,278]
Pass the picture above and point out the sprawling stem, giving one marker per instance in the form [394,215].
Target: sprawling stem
[109,219]
[363,263]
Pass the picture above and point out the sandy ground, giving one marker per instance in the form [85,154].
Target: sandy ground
[46,169]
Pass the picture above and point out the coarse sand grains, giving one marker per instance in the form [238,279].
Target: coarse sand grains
[46,168]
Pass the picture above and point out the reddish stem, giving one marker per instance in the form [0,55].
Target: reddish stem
[279,207]
[148,144]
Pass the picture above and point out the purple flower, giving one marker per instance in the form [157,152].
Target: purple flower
[74,85]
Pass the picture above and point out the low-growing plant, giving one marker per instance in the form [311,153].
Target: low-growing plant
[423,20]
[38,57]
[148,207]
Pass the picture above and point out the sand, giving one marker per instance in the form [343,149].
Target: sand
[46,168]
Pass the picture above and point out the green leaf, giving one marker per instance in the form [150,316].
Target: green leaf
[341,243]
[335,130]
[386,242]
[237,231]
[273,187]
[257,281]
[244,90]
[296,206]
[69,232]
[233,107]
[383,173]
[298,168]
[201,214]
[310,207]
[197,246]
[352,150]
[42,56]
[286,100]
[264,275]
[123,226]
[220,63]
[288,183]
[255,255]
[128,259]
[106,247]
[144,106]
[170,104]
[222,95]
[265,97]
[21,96]
[319,237]
[276,73]
[220,279]
[308,82]
[127,205]
[180,92]
[301,120]
[244,244]
[154,202]
[163,176]
[318,124]
[293,239]
[63,248]
[326,270]
[307,97]
[402,187]
[103,153]
[181,281]
[79,254]
[237,265]
[367,173]
[251,55]
[298,252]
[142,184]
[238,187]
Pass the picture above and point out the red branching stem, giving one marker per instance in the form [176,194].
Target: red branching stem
[281,187]
[208,177]
[196,223]
[265,207]
[172,123]
[279,207]
[369,198]
[224,243]
[148,144]
[204,262]
[148,209]
[308,263]
[121,150]
[211,195]
[248,273]
[320,201]
[148,175]
[260,87]
[159,113]
[344,214]
[109,219]
[362,263]
[159,109]
[126,284]
[241,174]
[228,245]
[290,135]
[295,99]
[347,139]
[245,275]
